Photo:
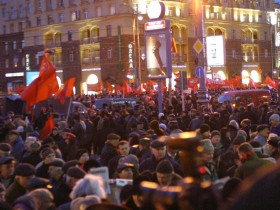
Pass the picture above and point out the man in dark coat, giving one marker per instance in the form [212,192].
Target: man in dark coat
[251,162]
[23,173]
[110,148]
[159,153]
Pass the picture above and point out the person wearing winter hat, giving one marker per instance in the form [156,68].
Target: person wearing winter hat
[272,146]
[82,156]
[7,169]
[250,162]
[31,151]
[125,170]
[25,202]
[216,141]
[210,173]
[47,154]
[23,173]
[62,192]
[274,121]
[204,130]
[262,135]
[165,175]
[43,199]
[5,149]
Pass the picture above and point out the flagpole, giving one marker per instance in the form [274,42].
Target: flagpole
[68,110]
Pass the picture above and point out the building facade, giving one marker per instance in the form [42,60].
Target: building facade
[99,41]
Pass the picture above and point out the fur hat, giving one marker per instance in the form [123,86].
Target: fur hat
[157,143]
[57,162]
[113,136]
[5,149]
[215,133]
[24,169]
[76,172]
[69,164]
[261,127]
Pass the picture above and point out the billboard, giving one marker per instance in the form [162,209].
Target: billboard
[215,50]
[30,76]
[158,49]
[156,55]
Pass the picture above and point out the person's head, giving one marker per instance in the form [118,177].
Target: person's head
[89,185]
[158,149]
[208,150]
[245,150]
[274,120]
[47,154]
[215,137]
[31,144]
[125,170]
[272,144]
[55,168]
[133,138]
[123,148]
[113,139]
[73,175]
[43,198]
[245,123]
[12,136]
[82,156]
[204,130]
[263,130]
[7,167]
[5,149]
[23,173]
[164,173]
[144,143]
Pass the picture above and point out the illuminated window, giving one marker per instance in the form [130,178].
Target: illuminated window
[14,45]
[15,61]
[233,54]
[98,11]
[265,53]
[61,17]
[112,10]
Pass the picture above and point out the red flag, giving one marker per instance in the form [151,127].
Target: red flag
[43,86]
[110,88]
[49,125]
[66,90]
[271,82]
[126,88]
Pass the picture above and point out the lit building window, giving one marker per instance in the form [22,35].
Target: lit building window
[15,61]
[233,54]
[178,11]
[112,10]
[255,76]
[98,11]
[14,45]
[61,17]
[265,53]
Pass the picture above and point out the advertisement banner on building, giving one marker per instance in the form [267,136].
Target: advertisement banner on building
[158,49]
[215,50]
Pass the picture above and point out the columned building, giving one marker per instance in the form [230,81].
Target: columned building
[100,41]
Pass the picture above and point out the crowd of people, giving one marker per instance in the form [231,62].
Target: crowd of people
[235,148]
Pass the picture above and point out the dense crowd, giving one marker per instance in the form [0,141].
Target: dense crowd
[235,157]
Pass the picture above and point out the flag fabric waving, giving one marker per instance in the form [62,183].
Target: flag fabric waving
[49,125]
[110,88]
[43,86]
[270,82]
[66,90]
[126,88]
